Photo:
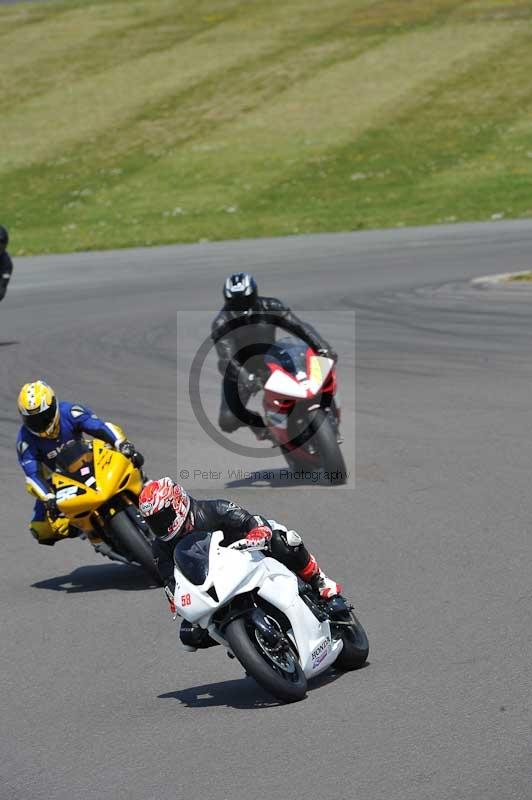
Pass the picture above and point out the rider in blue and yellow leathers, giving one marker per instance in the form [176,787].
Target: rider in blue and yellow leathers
[46,427]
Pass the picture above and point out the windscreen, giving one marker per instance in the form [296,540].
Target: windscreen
[290,354]
[191,556]
[75,459]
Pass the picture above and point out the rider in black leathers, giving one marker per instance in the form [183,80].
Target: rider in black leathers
[242,332]
[236,523]
[172,514]
[6,265]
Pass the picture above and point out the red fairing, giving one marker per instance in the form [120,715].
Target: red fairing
[275,402]
[329,387]
[284,393]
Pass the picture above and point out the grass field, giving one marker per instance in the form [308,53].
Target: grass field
[134,122]
[522,276]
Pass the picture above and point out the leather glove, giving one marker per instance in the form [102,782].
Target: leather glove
[258,537]
[51,507]
[328,352]
[253,383]
[129,450]
[171,600]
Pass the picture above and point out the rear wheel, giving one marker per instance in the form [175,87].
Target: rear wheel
[275,668]
[131,542]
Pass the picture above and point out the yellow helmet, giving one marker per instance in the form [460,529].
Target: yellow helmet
[37,405]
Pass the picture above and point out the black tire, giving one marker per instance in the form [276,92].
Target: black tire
[132,544]
[356,646]
[283,686]
[322,436]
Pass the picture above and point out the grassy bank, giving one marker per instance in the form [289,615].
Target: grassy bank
[131,122]
[522,277]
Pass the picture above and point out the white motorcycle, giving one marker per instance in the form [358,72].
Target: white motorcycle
[275,624]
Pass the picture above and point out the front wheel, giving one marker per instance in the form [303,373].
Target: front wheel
[131,543]
[275,669]
[320,438]
[356,646]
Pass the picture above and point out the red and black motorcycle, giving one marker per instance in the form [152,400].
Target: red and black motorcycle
[300,409]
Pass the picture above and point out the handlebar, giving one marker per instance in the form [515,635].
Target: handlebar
[243,544]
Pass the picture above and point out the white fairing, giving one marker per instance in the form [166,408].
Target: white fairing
[233,572]
[302,385]
[283,384]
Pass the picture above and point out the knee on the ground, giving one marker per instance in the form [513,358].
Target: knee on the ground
[228,423]
[41,530]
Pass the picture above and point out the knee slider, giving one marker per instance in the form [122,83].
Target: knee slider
[42,531]
[228,424]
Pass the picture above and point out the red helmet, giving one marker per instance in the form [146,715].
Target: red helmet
[165,505]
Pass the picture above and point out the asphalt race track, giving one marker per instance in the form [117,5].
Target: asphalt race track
[432,539]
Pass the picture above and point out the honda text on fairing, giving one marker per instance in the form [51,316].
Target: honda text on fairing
[300,408]
[280,629]
[97,489]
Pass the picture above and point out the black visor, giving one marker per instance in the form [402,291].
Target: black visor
[162,521]
[41,421]
[240,301]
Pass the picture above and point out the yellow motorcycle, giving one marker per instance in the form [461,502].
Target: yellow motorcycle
[97,489]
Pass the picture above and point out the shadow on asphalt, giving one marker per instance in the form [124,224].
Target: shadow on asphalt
[97,578]
[277,478]
[9,343]
[243,693]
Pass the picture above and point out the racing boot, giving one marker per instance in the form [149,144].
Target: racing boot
[192,637]
[320,582]
[262,434]
[259,427]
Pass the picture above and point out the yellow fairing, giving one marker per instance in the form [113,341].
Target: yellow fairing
[114,474]
[316,372]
